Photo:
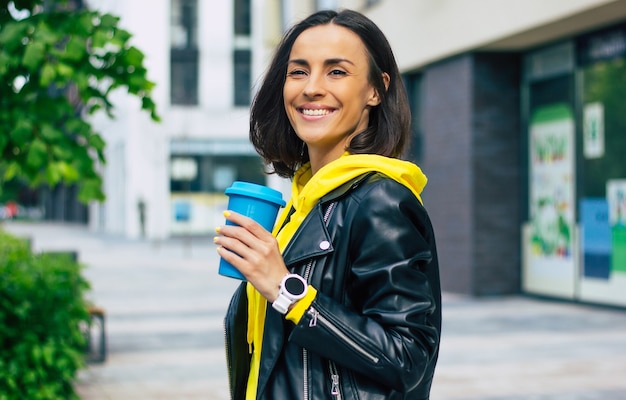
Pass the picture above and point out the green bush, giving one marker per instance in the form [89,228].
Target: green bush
[42,307]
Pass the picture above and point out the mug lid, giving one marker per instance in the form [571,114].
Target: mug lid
[257,191]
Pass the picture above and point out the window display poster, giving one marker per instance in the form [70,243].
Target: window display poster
[550,251]
[593,130]
[596,238]
[616,196]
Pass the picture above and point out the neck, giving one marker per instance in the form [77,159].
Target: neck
[320,159]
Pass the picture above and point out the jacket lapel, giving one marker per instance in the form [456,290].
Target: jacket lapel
[310,240]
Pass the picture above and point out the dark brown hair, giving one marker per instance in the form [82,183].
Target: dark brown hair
[389,123]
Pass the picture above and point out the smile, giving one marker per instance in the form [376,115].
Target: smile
[315,112]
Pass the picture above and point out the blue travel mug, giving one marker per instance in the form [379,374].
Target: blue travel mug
[257,202]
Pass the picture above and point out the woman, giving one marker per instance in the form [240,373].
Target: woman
[343,299]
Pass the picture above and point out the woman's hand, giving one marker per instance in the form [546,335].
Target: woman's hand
[253,251]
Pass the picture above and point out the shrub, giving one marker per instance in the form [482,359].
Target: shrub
[42,308]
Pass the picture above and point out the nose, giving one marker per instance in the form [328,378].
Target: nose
[314,86]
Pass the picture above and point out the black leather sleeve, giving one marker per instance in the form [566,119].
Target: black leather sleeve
[389,329]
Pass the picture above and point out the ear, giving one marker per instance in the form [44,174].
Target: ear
[375,98]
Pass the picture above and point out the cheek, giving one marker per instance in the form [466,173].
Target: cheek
[289,92]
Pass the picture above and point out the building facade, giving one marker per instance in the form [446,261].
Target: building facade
[167,179]
[519,123]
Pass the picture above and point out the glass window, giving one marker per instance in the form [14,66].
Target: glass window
[183,24]
[213,173]
[243,75]
[184,77]
[242,17]
[604,126]
[184,53]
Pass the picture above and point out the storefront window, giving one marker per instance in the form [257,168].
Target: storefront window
[200,171]
[602,170]
[604,124]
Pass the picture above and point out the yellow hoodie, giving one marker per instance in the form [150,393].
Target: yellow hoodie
[307,190]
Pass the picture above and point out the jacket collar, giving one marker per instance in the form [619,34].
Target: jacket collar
[312,238]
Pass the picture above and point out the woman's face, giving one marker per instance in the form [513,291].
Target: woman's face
[327,92]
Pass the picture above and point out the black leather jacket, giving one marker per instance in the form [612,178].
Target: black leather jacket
[373,330]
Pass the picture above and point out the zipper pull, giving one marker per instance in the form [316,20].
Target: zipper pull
[314,313]
[334,377]
[334,389]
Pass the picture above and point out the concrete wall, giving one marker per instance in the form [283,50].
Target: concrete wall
[497,141]
[471,157]
[447,158]
[423,31]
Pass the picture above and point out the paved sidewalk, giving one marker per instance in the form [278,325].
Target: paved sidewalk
[164,305]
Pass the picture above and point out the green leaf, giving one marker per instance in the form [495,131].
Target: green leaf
[96,142]
[22,132]
[50,133]
[121,36]
[37,154]
[12,33]
[69,173]
[85,21]
[108,21]
[65,70]
[99,39]
[14,169]
[47,32]
[6,60]
[62,153]
[75,49]
[48,74]
[77,126]
[33,55]
[90,190]
[53,174]
[133,56]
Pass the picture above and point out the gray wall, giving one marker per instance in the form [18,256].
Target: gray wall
[471,142]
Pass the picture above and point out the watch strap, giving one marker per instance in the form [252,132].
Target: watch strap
[282,303]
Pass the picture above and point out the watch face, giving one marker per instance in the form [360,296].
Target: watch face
[294,286]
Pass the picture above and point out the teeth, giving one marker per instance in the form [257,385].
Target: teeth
[315,112]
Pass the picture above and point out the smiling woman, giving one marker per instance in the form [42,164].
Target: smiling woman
[351,269]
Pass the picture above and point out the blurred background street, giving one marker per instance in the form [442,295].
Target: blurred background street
[164,305]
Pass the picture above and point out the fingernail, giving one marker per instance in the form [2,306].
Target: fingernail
[215,239]
[227,213]
[217,229]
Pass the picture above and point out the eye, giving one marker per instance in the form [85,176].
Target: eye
[296,73]
[337,72]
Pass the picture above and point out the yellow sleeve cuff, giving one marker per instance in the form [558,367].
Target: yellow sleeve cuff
[298,309]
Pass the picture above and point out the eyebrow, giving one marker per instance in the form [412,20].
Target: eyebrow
[330,61]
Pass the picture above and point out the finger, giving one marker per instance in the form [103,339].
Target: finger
[246,222]
[241,249]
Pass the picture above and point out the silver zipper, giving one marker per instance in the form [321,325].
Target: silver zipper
[335,391]
[328,211]
[317,317]
[305,369]
[305,353]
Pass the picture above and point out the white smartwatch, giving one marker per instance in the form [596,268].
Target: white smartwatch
[292,288]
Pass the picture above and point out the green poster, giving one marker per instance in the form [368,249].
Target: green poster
[551,182]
